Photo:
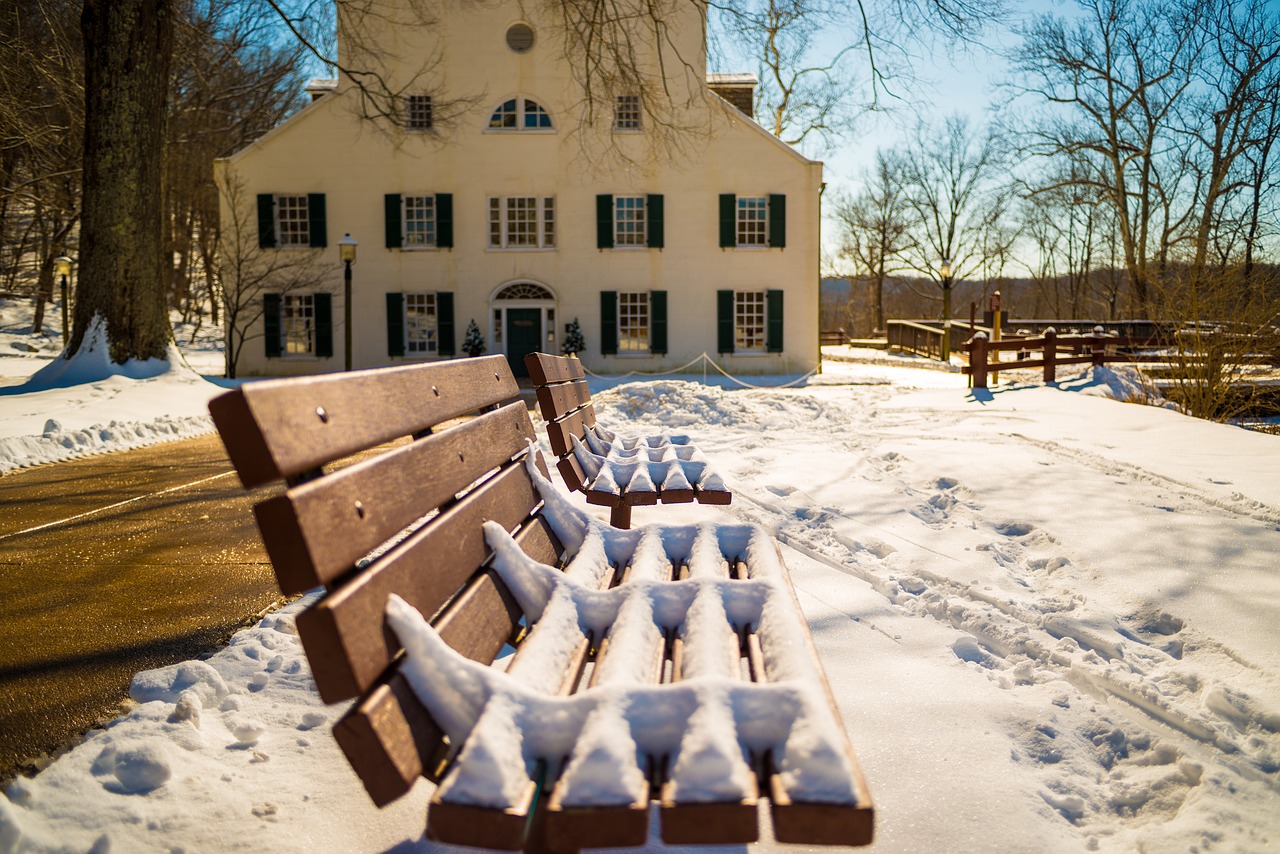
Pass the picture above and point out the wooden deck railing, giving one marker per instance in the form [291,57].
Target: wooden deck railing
[923,339]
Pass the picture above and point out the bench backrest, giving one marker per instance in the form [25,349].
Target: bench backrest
[565,404]
[405,519]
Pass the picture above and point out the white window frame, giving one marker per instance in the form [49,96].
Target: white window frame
[292,221]
[510,216]
[520,112]
[750,321]
[418,115]
[426,204]
[297,326]
[421,315]
[627,114]
[630,222]
[751,222]
[635,319]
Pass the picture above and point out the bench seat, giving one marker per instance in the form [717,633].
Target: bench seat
[555,676]
[606,467]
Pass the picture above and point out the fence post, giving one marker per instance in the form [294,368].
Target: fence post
[1050,354]
[1099,346]
[978,359]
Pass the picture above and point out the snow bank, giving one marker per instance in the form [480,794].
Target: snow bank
[86,405]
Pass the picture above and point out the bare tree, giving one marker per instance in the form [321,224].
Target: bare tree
[242,273]
[1110,81]
[822,63]
[874,226]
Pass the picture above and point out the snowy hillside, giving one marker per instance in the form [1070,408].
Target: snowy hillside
[1048,618]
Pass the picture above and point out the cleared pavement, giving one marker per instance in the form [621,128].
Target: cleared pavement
[113,564]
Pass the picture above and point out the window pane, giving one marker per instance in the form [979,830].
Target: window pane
[419,221]
[749,317]
[420,323]
[504,116]
[535,116]
[753,220]
[495,222]
[627,113]
[291,221]
[522,221]
[549,221]
[628,221]
[633,323]
[418,112]
[298,324]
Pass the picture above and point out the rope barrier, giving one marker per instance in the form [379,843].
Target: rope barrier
[705,360]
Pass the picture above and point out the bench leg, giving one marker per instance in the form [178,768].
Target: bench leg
[620,516]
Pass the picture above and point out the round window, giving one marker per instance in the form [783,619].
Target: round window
[520,38]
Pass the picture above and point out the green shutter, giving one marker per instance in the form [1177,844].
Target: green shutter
[445,344]
[316,222]
[728,222]
[653,211]
[395,324]
[391,208]
[324,325]
[777,221]
[271,324]
[773,321]
[724,321]
[609,323]
[658,323]
[444,220]
[604,222]
[266,221]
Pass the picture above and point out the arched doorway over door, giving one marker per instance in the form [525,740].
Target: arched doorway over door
[522,320]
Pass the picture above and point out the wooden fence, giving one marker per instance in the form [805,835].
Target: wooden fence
[1054,349]
[919,337]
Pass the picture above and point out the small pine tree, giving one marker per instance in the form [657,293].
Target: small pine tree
[573,340]
[473,345]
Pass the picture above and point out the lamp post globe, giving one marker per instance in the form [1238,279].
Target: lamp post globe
[944,272]
[62,266]
[347,252]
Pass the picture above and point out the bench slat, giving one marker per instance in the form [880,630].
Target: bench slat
[557,401]
[278,429]
[344,634]
[385,735]
[545,368]
[573,424]
[316,531]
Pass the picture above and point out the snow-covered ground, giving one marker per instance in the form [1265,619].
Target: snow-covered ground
[1048,617]
[51,410]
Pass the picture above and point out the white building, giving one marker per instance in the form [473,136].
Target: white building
[506,192]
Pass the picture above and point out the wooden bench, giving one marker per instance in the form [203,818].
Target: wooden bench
[447,543]
[565,404]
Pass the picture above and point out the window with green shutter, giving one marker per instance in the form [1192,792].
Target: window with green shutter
[395,324]
[391,214]
[324,325]
[266,221]
[658,323]
[777,221]
[271,325]
[446,345]
[604,221]
[444,220]
[653,206]
[728,224]
[724,321]
[316,225]
[609,323]
[773,319]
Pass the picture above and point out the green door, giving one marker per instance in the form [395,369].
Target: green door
[524,336]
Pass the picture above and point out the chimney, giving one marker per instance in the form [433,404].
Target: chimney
[737,89]
[318,87]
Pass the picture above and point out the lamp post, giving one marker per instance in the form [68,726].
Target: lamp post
[62,266]
[347,252]
[945,272]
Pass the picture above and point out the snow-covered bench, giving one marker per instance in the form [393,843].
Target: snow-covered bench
[667,663]
[615,471]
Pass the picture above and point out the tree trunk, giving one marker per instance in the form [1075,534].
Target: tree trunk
[128,46]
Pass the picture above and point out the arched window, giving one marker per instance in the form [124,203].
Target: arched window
[520,114]
[524,291]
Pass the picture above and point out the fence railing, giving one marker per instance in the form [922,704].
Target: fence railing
[832,336]
[985,356]
[923,339]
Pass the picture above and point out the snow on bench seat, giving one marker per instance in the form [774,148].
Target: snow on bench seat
[704,683]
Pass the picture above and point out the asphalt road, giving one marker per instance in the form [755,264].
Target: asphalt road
[113,564]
